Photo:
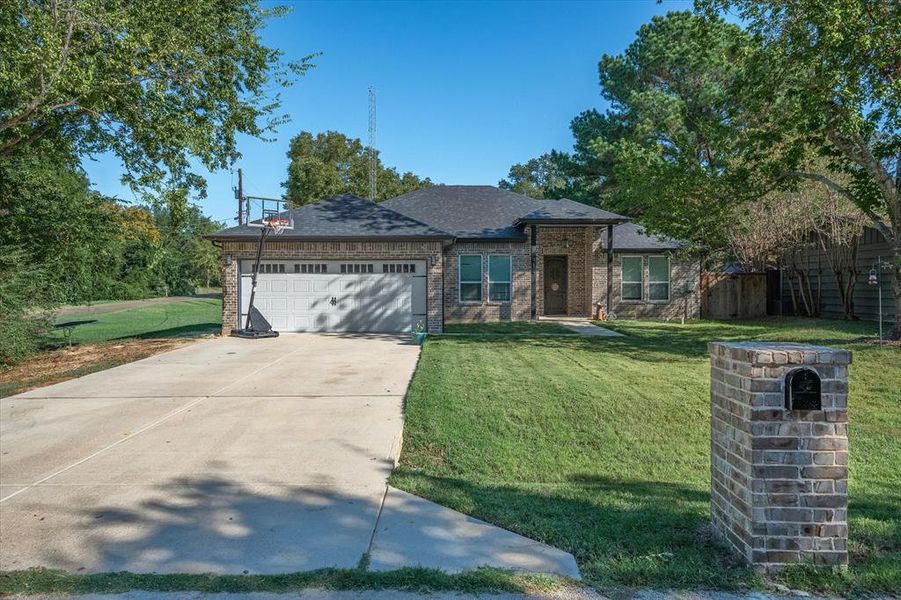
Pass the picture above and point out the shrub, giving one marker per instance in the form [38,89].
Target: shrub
[26,305]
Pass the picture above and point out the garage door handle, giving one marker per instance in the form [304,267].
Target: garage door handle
[333,301]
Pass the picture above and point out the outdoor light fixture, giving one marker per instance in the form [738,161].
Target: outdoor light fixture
[228,260]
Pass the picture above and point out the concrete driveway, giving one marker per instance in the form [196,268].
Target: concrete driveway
[228,455]
[233,456]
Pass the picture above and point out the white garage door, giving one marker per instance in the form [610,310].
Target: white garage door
[353,296]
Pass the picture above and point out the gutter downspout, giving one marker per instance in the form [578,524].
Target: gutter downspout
[609,269]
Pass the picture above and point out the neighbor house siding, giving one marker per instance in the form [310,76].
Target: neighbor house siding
[575,243]
[276,250]
[518,309]
[682,273]
[866,297]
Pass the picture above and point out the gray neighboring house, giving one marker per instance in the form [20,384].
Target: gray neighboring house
[452,254]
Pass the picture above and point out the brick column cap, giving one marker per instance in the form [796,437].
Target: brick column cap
[768,354]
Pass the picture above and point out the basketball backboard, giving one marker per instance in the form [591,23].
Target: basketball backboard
[268,212]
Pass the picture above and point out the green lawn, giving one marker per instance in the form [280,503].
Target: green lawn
[508,327]
[600,446]
[189,317]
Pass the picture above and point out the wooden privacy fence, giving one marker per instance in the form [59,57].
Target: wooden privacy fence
[733,295]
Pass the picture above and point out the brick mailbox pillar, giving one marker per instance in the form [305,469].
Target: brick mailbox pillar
[779,452]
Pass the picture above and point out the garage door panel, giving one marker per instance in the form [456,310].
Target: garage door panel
[364,302]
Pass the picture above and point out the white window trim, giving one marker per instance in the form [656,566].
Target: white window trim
[668,282]
[622,280]
[460,280]
[508,281]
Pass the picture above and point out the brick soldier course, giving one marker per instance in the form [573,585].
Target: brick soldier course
[779,477]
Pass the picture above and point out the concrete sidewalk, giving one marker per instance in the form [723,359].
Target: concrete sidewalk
[586,328]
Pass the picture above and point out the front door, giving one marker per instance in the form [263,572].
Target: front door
[555,285]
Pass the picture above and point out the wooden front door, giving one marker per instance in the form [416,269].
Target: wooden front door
[555,285]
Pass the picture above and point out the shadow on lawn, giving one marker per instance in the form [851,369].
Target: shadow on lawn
[180,331]
[632,533]
[665,342]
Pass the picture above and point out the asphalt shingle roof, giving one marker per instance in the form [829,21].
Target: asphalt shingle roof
[447,212]
[488,212]
[345,216]
[631,237]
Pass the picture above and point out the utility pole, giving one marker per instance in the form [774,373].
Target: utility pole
[373,161]
[239,196]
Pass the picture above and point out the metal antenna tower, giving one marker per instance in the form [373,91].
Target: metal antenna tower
[373,160]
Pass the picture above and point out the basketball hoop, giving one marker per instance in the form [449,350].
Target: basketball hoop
[276,224]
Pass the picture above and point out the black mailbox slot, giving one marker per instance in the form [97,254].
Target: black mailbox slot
[802,390]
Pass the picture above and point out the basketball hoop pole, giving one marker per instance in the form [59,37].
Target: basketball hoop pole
[276,217]
[256,270]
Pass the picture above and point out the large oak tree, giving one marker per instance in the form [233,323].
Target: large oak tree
[159,83]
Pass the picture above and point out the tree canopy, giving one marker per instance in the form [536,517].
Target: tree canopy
[332,163]
[707,116]
[158,83]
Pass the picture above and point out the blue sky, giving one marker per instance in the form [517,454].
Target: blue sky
[464,89]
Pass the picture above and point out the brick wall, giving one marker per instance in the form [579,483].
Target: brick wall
[779,478]
[281,250]
[682,272]
[575,243]
[518,309]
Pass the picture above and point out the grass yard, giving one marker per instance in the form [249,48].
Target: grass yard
[188,317]
[600,446]
[116,338]
[508,327]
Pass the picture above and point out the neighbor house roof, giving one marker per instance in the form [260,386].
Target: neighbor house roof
[344,217]
[631,237]
[488,212]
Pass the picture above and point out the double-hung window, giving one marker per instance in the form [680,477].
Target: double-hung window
[658,278]
[470,278]
[500,278]
[632,278]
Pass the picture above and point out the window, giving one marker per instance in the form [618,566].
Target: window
[398,268]
[658,278]
[470,278]
[500,277]
[632,271]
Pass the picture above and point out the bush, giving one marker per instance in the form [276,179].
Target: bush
[26,305]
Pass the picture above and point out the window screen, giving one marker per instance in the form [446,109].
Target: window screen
[500,278]
[658,278]
[470,278]
[632,267]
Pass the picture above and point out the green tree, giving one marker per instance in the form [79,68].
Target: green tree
[49,213]
[158,82]
[542,177]
[331,163]
[186,259]
[825,81]
[665,141]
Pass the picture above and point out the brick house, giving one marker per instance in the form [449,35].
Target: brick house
[452,254]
